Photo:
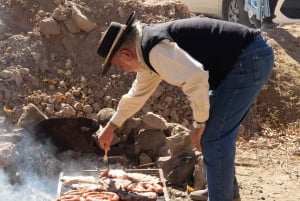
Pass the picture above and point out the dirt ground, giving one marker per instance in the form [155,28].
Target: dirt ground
[268,152]
[268,164]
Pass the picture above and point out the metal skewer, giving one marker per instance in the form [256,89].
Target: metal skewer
[105,159]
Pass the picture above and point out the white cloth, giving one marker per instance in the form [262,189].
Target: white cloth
[176,67]
[260,8]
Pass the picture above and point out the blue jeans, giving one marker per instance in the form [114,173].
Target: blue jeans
[229,104]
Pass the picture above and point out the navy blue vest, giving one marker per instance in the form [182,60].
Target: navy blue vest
[214,43]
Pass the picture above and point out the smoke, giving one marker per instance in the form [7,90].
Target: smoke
[35,172]
[32,188]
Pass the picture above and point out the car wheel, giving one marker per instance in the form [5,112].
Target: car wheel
[233,11]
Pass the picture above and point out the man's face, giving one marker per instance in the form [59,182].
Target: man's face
[126,60]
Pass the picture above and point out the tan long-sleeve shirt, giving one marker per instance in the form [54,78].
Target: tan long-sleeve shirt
[174,66]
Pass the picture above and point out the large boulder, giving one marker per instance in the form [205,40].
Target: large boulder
[104,115]
[68,133]
[129,130]
[149,142]
[178,169]
[49,27]
[30,117]
[81,21]
[154,121]
[179,140]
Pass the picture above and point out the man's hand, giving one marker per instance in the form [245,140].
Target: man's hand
[105,136]
[196,135]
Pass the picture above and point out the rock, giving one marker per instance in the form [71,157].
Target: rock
[61,14]
[24,71]
[179,140]
[7,153]
[162,160]
[67,111]
[59,2]
[2,30]
[49,109]
[179,168]
[129,129]
[36,56]
[149,142]
[154,121]
[69,98]
[92,116]
[77,92]
[5,74]
[49,27]
[70,42]
[144,159]
[77,106]
[199,174]
[71,26]
[164,151]
[81,20]
[68,133]
[87,109]
[30,117]
[7,95]
[96,106]
[104,115]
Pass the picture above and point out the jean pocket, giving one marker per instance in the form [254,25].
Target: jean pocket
[262,68]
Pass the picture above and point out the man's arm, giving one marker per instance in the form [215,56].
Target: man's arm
[142,88]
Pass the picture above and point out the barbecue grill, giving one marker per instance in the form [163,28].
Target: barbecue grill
[153,172]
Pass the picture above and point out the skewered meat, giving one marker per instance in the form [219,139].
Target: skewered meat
[69,180]
[90,187]
[139,182]
[145,187]
[117,173]
[114,184]
[137,196]
[139,177]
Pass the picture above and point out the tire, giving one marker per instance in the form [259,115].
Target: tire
[233,11]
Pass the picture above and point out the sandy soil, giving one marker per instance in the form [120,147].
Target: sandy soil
[268,165]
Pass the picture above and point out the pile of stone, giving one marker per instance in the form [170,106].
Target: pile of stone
[54,65]
[147,141]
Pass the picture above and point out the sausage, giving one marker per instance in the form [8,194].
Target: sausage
[103,196]
[71,195]
[69,198]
